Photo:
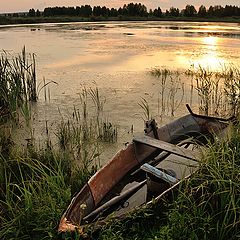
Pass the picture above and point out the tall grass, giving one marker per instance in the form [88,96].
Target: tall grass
[33,195]
[217,92]
[206,206]
[37,182]
[146,109]
[171,91]
[36,185]
[18,83]
[87,124]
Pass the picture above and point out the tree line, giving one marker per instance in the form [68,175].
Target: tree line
[137,10]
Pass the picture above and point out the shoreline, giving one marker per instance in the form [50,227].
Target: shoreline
[63,19]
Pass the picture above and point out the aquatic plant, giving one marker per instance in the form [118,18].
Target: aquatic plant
[163,74]
[146,109]
[231,75]
[171,91]
[217,91]
[204,85]
[107,132]
[18,83]
[176,94]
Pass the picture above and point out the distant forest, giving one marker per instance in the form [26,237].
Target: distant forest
[137,10]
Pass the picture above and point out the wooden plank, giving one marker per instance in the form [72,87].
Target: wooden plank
[105,179]
[159,174]
[115,200]
[183,152]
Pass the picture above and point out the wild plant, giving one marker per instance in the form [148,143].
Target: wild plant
[176,94]
[32,199]
[204,89]
[163,74]
[232,88]
[218,91]
[82,133]
[107,131]
[146,109]
[96,98]
[207,205]
[42,86]
[18,83]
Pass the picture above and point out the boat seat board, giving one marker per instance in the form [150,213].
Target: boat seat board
[171,148]
[159,174]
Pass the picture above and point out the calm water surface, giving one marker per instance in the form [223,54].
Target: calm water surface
[116,57]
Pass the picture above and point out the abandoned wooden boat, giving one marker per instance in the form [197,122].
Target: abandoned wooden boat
[147,168]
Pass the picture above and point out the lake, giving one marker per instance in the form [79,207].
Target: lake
[117,58]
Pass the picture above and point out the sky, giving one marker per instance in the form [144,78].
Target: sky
[24,5]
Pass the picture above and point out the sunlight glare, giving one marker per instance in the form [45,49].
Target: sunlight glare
[212,61]
[211,41]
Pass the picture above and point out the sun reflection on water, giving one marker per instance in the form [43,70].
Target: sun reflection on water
[208,54]
[211,58]
[210,41]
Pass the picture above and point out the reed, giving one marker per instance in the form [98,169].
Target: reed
[146,109]
[38,182]
[36,185]
[163,75]
[176,94]
[171,91]
[18,83]
[231,75]
[217,91]
[204,88]
[107,132]
[208,204]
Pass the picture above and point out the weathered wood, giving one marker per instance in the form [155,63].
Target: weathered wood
[109,175]
[159,174]
[230,119]
[123,196]
[183,152]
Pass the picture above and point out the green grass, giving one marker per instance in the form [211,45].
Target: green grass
[206,206]
[37,183]
[33,197]
[35,188]
[18,84]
